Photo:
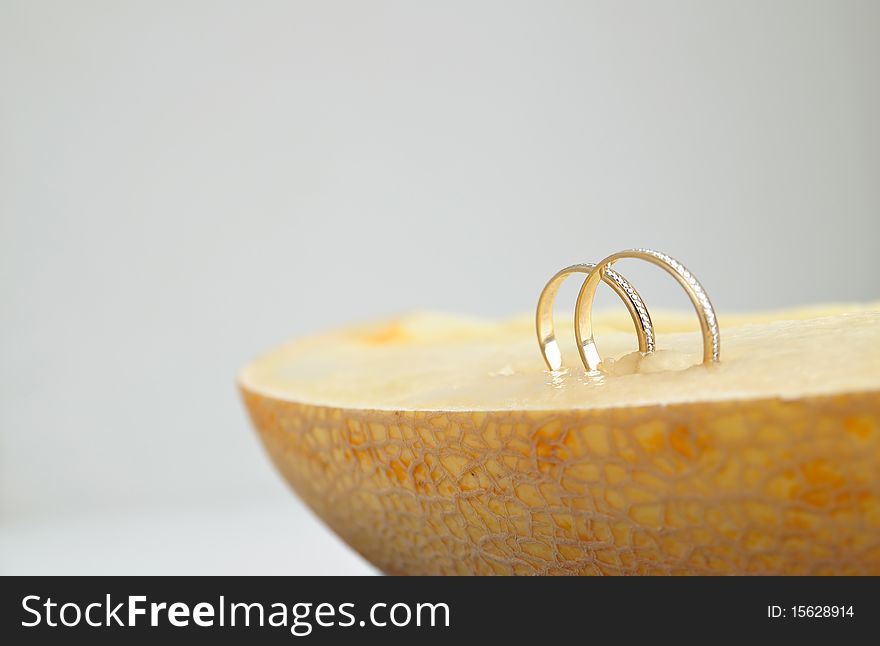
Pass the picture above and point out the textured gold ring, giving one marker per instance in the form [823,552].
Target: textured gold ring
[628,294]
[583,313]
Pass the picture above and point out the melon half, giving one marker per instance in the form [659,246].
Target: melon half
[436,444]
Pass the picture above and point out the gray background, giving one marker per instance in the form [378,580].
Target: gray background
[186,184]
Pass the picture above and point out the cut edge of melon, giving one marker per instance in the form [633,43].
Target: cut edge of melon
[855,326]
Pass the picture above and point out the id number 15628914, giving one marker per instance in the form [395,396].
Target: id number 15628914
[810,612]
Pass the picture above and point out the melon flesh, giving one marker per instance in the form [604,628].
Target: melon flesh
[436,444]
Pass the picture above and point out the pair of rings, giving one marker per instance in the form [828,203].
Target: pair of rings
[583,322]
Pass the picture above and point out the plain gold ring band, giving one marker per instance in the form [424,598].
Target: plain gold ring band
[628,294]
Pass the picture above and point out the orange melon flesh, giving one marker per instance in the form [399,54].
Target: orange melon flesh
[436,444]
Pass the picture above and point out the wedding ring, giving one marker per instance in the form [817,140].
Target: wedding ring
[584,307]
[544,313]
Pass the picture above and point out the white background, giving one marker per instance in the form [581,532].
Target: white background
[186,184]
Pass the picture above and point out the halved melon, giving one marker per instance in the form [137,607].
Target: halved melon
[440,445]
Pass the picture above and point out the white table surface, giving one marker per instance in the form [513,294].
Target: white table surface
[272,537]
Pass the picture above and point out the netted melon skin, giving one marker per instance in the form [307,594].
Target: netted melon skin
[740,487]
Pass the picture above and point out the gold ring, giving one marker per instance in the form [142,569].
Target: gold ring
[583,318]
[544,313]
